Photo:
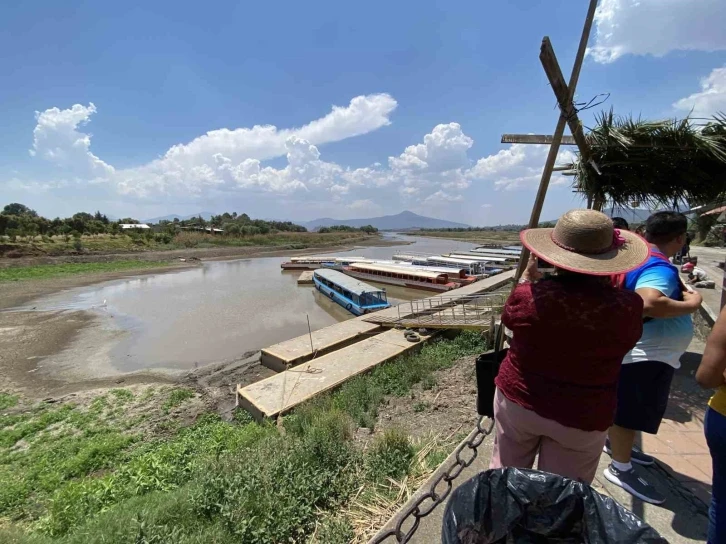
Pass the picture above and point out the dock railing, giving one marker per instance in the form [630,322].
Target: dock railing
[445,311]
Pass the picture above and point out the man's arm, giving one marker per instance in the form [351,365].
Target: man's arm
[656,304]
[710,373]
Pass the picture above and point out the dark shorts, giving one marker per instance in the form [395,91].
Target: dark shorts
[643,392]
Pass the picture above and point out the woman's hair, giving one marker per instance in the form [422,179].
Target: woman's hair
[620,223]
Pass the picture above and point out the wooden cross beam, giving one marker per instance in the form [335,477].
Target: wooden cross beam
[564,97]
[535,139]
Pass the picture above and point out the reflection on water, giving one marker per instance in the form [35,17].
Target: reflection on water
[220,310]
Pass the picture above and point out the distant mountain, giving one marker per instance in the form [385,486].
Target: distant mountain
[205,215]
[631,215]
[402,221]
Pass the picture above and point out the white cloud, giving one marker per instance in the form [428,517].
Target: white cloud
[442,196]
[711,99]
[222,163]
[656,27]
[219,158]
[364,205]
[486,205]
[56,138]
[519,166]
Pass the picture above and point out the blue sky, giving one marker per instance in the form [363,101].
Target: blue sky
[303,110]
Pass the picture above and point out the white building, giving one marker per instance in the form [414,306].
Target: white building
[125,226]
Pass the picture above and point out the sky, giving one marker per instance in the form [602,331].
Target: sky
[303,110]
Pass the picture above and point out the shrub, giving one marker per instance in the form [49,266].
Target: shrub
[273,492]
[390,456]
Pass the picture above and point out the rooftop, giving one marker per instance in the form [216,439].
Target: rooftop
[346,282]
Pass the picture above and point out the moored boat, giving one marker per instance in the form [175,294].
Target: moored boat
[355,296]
[404,277]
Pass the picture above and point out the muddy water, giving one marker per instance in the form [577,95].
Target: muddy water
[217,312]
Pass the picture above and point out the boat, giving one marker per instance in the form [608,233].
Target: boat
[458,275]
[497,251]
[473,266]
[404,277]
[306,263]
[355,296]
[482,258]
[313,263]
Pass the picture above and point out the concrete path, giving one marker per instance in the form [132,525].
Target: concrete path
[683,471]
[708,259]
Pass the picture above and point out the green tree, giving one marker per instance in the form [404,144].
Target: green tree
[16,208]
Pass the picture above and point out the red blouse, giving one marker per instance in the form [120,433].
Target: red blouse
[570,337]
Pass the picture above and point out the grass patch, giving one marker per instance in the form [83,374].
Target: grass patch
[122,395]
[177,397]
[475,236]
[7,401]
[46,271]
[76,475]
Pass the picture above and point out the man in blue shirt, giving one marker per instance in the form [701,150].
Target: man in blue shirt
[647,371]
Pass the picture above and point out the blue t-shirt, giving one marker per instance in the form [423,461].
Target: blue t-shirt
[663,339]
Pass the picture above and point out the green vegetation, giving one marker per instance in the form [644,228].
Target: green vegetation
[176,397]
[368,229]
[92,474]
[7,400]
[23,232]
[45,271]
[475,235]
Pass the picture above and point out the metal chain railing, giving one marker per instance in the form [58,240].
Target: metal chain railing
[427,502]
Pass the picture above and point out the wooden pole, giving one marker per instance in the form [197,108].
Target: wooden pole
[557,136]
[554,146]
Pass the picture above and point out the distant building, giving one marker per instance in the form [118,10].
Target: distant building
[126,226]
[205,229]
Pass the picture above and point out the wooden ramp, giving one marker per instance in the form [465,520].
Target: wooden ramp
[298,350]
[281,393]
[306,278]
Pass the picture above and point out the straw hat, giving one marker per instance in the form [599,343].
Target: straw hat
[585,241]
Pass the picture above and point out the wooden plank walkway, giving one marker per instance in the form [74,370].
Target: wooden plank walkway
[461,316]
[297,350]
[306,278]
[281,393]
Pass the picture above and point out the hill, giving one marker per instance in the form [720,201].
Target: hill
[401,221]
[205,215]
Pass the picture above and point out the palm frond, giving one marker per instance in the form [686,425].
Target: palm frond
[654,162]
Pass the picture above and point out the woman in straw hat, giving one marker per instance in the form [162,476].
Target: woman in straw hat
[556,388]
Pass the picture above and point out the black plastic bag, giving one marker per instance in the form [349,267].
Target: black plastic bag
[487,368]
[510,505]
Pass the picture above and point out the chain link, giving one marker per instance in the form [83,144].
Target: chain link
[436,493]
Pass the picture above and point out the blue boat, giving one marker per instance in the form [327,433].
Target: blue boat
[355,296]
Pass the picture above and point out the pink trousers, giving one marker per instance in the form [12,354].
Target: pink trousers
[521,434]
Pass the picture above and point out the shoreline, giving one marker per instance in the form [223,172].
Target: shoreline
[28,338]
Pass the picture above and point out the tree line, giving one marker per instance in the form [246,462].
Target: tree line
[19,220]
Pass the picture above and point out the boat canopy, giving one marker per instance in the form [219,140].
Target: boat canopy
[485,258]
[351,285]
[310,259]
[389,269]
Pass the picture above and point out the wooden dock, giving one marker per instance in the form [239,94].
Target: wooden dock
[281,393]
[298,350]
[306,278]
